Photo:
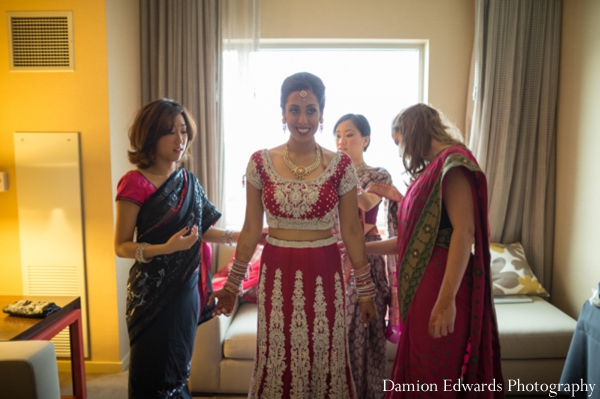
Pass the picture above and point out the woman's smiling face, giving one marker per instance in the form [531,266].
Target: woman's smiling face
[302,114]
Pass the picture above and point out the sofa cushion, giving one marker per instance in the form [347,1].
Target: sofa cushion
[28,369]
[535,330]
[511,273]
[240,340]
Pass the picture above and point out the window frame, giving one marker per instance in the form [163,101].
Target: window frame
[422,46]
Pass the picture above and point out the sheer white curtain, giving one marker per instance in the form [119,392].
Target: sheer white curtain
[513,134]
[182,51]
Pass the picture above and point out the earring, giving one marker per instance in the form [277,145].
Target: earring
[284,128]
[320,127]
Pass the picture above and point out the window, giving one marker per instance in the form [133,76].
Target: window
[376,80]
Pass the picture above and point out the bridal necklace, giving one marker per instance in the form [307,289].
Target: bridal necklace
[301,171]
[362,166]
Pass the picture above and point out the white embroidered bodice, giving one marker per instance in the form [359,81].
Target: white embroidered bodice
[301,205]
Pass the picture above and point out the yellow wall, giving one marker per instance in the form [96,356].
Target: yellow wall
[449,26]
[576,265]
[66,102]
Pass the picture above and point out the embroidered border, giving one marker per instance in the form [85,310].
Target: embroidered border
[276,358]
[302,244]
[259,364]
[338,386]
[274,176]
[300,365]
[324,223]
[418,251]
[320,335]
[252,174]
[349,180]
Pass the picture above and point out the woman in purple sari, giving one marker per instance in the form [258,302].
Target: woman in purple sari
[449,332]
[162,213]
[368,360]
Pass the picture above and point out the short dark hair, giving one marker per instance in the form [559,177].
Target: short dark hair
[153,121]
[361,123]
[303,81]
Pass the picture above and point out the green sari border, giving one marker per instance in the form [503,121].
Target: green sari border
[423,239]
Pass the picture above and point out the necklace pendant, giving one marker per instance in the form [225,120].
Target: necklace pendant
[300,171]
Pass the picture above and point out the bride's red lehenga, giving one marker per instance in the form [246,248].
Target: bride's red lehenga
[302,348]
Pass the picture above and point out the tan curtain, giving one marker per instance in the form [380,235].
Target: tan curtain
[513,134]
[182,44]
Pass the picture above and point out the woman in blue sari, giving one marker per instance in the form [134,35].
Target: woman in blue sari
[163,216]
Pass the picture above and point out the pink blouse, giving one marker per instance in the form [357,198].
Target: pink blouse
[134,187]
[301,204]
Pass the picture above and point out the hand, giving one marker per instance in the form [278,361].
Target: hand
[342,248]
[443,314]
[367,311]
[183,239]
[225,302]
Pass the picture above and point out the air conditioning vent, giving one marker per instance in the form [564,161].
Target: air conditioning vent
[41,41]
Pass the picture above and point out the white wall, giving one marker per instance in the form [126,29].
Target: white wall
[124,93]
[449,25]
[576,263]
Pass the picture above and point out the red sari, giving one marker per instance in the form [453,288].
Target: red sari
[465,363]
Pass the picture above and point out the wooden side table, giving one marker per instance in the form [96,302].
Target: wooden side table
[14,328]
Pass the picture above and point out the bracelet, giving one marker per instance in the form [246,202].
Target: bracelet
[139,253]
[234,291]
[237,274]
[365,287]
[226,237]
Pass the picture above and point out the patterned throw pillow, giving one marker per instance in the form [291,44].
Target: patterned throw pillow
[511,274]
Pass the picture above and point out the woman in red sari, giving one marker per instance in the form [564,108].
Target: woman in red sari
[449,342]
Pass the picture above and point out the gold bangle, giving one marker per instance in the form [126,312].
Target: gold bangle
[232,290]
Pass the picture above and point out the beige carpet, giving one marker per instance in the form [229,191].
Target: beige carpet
[99,386]
[114,386]
[108,386]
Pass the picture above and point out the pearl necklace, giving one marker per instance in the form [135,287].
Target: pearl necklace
[301,171]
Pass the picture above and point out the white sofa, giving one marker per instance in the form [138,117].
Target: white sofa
[28,370]
[534,338]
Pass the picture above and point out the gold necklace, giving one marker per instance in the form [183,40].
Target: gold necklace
[301,171]
[362,166]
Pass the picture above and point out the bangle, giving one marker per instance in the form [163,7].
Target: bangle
[223,236]
[234,291]
[226,238]
[365,287]
[139,253]
[237,274]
